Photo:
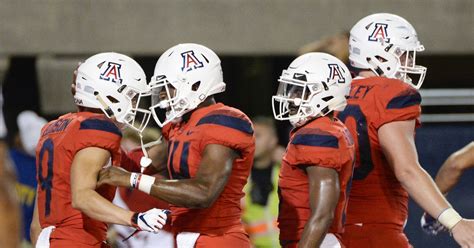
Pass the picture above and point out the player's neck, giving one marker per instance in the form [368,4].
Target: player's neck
[86,109]
[209,101]
[366,74]
[330,115]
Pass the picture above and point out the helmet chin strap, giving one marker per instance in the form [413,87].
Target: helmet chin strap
[145,161]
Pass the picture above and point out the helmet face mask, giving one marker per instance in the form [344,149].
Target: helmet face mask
[313,85]
[185,76]
[387,45]
[116,84]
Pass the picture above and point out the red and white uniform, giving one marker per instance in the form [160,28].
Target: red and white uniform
[214,124]
[377,200]
[60,140]
[324,143]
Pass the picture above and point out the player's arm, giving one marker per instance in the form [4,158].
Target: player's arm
[323,198]
[84,173]
[452,169]
[35,227]
[397,142]
[198,192]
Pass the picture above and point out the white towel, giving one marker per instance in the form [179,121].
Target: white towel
[330,241]
[43,239]
[187,239]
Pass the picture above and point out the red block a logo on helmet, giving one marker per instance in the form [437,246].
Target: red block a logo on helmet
[379,33]
[335,73]
[190,61]
[111,73]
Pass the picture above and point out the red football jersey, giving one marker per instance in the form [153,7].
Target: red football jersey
[376,195]
[214,124]
[136,200]
[60,140]
[321,142]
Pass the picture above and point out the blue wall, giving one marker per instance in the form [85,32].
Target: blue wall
[435,142]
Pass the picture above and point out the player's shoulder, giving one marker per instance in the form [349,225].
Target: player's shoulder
[393,93]
[96,122]
[224,116]
[317,133]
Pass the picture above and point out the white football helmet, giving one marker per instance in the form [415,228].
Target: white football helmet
[387,45]
[185,75]
[313,85]
[114,83]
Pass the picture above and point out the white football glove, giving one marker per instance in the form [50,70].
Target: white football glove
[152,220]
[431,225]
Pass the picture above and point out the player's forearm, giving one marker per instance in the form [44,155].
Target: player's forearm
[95,206]
[35,227]
[315,230]
[448,176]
[189,193]
[421,187]
[35,231]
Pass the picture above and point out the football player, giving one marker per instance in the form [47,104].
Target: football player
[210,149]
[71,210]
[448,176]
[318,163]
[382,113]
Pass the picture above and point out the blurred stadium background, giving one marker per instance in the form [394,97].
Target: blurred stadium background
[41,42]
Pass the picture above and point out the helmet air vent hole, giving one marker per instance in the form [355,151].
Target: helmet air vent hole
[121,88]
[205,58]
[327,98]
[381,59]
[112,99]
[325,86]
[195,86]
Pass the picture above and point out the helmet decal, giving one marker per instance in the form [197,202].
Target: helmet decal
[190,61]
[335,73]
[379,33]
[111,73]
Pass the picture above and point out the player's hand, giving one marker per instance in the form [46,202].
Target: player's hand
[114,176]
[152,220]
[431,225]
[463,233]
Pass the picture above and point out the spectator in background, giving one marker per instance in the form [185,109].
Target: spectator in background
[9,209]
[22,155]
[135,200]
[261,197]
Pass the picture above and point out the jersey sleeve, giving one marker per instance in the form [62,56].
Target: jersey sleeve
[310,149]
[229,129]
[99,133]
[130,161]
[397,102]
